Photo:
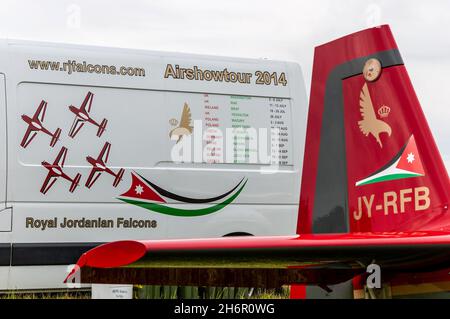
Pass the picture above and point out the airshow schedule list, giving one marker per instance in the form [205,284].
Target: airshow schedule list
[269,118]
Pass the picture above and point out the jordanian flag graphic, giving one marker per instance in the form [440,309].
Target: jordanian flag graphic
[405,164]
[148,195]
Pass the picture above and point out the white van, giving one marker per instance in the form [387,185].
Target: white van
[94,144]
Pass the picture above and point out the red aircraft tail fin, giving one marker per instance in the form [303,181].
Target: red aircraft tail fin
[371,163]
[55,137]
[102,127]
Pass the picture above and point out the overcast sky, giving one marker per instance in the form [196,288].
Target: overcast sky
[283,30]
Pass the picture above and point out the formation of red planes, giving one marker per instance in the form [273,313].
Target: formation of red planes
[55,169]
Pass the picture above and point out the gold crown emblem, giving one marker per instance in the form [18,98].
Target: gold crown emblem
[384,111]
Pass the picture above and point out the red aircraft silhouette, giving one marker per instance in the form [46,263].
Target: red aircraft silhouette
[35,126]
[99,166]
[55,171]
[82,116]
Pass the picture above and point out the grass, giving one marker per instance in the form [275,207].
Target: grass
[171,292]
[215,262]
[282,293]
[46,295]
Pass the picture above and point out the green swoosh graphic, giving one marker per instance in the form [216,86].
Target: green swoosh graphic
[162,209]
[390,178]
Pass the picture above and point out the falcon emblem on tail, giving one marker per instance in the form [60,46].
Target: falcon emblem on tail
[369,123]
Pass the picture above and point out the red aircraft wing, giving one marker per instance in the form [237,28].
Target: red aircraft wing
[61,158]
[93,176]
[49,181]
[240,261]
[87,102]
[28,137]
[40,112]
[104,153]
[76,126]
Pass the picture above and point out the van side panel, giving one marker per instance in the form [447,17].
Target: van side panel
[5,214]
[61,208]
[4,225]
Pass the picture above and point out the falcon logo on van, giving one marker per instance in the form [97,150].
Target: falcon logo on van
[148,195]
